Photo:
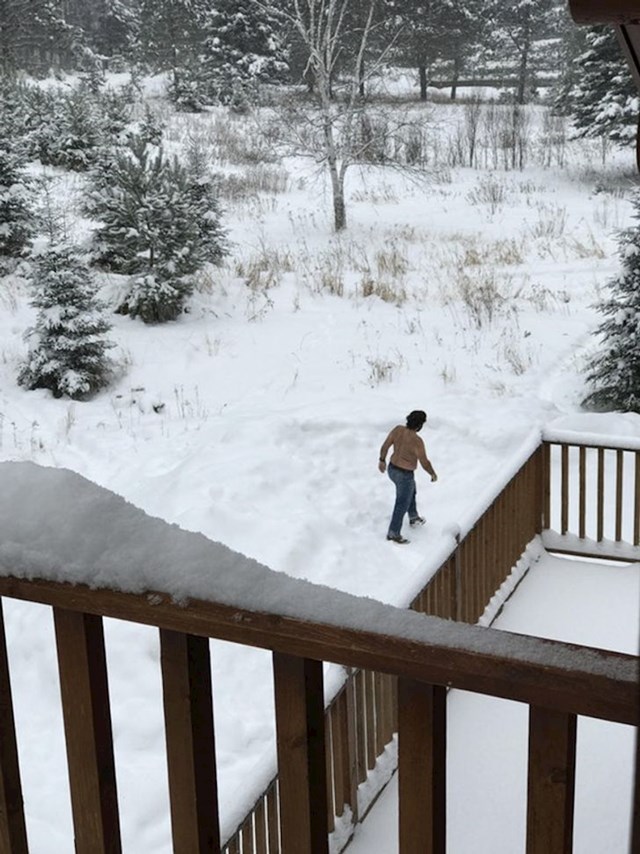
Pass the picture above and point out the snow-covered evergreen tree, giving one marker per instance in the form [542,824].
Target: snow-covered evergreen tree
[604,101]
[16,217]
[158,221]
[241,48]
[79,131]
[169,33]
[68,345]
[614,372]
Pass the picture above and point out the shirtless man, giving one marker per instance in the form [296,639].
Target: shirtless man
[408,451]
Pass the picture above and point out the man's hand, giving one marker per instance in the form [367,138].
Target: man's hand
[382,466]
[434,477]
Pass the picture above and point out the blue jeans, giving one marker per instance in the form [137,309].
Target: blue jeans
[405,484]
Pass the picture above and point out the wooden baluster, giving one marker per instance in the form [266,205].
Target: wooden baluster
[422,767]
[233,846]
[343,737]
[619,483]
[338,758]
[600,495]
[330,762]
[349,737]
[246,834]
[188,712]
[369,700]
[550,801]
[299,702]
[545,483]
[582,477]
[564,489]
[361,723]
[457,572]
[13,834]
[261,828]
[87,725]
[379,714]
[273,820]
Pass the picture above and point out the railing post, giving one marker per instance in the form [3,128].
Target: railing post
[13,834]
[87,725]
[421,767]
[188,711]
[299,702]
[550,798]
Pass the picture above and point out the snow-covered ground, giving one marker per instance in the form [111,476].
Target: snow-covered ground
[276,390]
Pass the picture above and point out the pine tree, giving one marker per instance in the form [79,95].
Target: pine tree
[35,35]
[614,373]
[78,131]
[15,206]
[16,215]
[241,48]
[521,31]
[68,343]
[604,101]
[169,35]
[420,29]
[158,221]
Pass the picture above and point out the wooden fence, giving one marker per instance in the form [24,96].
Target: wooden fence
[324,754]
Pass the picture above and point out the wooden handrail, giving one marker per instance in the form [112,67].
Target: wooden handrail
[605,11]
[588,682]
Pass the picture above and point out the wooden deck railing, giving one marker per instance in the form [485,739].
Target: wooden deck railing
[592,495]
[371,706]
[429,656]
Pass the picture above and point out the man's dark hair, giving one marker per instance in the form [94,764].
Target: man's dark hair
[416,419]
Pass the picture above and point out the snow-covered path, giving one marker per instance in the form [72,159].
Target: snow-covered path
[576,601]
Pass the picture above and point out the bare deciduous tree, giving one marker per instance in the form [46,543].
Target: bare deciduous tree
[323,26]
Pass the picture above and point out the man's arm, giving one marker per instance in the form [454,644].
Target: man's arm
[384,450]
[425,462]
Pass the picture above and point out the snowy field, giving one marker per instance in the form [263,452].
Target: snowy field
[256,419]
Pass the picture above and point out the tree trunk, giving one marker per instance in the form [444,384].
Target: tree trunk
[523,72]
[455,77]
[422,72]
[361,82]
[335,172]
[339,206]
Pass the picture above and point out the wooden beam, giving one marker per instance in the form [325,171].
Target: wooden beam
[591,682]
[13,834]
[188,711]
[299,702]
[552,768]
[605,11]
[87,725]
[421,768]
